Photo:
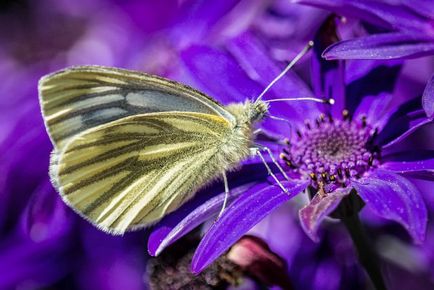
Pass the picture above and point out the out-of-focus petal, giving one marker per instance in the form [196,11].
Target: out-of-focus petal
[328,77]
[366,93]
[197,18]
[245,212]
[388,15]
[394,197]
[394,45]
[412,121]
[423,7]
[319,207]
[206,204]
[428,98]
[259,66]
[46,217]
[415,161]
[407,118]
[122,268]
[255,256]
[218,73]
[37,264]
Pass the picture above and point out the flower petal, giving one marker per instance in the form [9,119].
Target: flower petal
[46,217]
[394,197]
[413,122]
[394,45]
[388,15]
[165,236]
[428,98]
[202,207]
[198,18]
[319,207]
[407,118]
[218,73]
[258,64]
[413,162]
[423,7]
[245,212]
[365,94]
[328,77]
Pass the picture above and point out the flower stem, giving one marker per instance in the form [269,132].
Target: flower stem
[368,258]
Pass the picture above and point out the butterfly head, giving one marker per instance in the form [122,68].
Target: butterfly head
[257,110]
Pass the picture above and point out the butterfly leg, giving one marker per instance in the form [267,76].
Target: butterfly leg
[275,162]
[225,182]
[257,151]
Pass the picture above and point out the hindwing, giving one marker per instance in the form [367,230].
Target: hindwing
[129,173]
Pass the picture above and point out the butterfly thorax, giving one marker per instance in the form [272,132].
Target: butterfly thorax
[240,139]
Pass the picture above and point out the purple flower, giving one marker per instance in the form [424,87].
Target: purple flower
[329,150]
[399,29]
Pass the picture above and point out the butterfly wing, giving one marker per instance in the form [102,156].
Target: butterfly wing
[129,173]
[79,98]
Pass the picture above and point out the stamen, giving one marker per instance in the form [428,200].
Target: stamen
[298,134]
[333,151]
[363,121]
[345,114]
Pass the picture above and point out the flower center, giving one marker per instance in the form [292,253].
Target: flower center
[332,151]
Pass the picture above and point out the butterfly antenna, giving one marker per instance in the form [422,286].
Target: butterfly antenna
[326,101]
[287,68]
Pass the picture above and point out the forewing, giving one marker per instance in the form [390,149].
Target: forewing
[79,98]
[131,172]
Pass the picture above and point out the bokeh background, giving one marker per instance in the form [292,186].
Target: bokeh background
[44,245]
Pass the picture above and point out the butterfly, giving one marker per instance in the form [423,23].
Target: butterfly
[131,147]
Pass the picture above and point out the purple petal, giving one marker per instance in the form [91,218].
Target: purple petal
[428,98]
[201,208]
[414,161]
[319,207]
[389,15]
[378,81]
[165,236]
[423,7]
[40,264]
[245,212]
[217,73]
[407,118]
[328,77]
[394,45]
[376,109]
[46,217]
[259,66]
[197,19]
[394,197]
[413,121]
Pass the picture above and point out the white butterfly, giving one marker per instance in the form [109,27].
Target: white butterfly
[129,147]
